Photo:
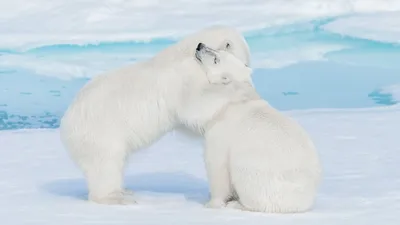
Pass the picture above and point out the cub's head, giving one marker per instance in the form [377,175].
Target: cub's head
[220,66]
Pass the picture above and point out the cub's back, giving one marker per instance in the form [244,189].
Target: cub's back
[269,135]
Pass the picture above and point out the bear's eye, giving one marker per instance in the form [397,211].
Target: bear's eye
[216,60]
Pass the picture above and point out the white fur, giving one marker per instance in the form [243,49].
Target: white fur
[256,158]
[119,112]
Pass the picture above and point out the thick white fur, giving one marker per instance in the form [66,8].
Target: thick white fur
[119,112]
[256,158]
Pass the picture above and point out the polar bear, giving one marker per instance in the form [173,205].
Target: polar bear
[119,112]
[256,158]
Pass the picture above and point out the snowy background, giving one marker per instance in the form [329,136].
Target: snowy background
[333,65]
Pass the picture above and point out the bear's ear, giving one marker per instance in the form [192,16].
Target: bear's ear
[226,46]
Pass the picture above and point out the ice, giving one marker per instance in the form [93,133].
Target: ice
[381,27]
[34,35]
[361,185]
[283,58]
[25,24]
[66,66]
[87,64]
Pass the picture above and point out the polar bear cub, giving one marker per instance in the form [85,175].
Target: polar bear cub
[122,111]
[256,158]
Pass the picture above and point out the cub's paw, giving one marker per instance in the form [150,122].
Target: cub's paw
[116,198]
[128,193]
[215,204]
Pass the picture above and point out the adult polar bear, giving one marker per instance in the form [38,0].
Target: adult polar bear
[257,159]
[122,111]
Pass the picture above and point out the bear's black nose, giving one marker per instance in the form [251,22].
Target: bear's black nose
[200,46]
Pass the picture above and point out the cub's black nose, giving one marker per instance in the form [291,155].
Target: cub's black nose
[200,46]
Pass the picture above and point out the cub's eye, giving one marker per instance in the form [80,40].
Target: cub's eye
[216,60]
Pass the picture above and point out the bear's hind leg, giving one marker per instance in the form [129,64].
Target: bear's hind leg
[104,174]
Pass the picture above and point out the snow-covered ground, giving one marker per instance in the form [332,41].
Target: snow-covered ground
[359,150]
[26,24]
[334,59]
[380,27]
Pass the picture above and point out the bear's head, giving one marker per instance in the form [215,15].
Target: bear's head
[221,66]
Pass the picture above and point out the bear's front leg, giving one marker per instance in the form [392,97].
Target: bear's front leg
[216,160]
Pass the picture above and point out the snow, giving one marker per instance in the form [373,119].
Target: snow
[31,33]
[64,66]
[25,24]
[358,148]
[381,27]
[283,58]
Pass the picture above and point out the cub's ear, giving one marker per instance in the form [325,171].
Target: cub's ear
[226,46]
